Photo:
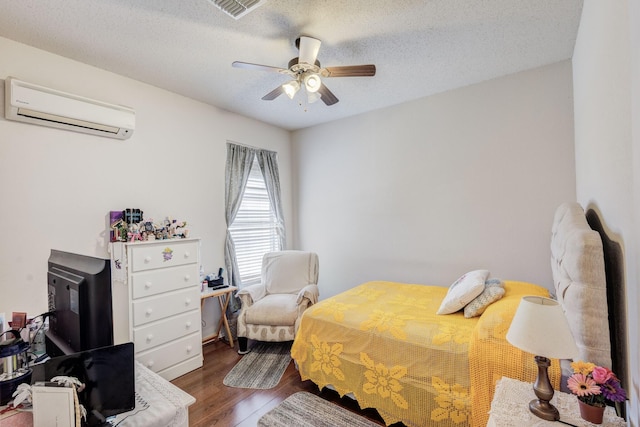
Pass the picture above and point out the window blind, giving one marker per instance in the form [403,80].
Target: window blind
[254,229]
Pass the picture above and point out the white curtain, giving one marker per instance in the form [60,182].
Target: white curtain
[268,162]
[238,167]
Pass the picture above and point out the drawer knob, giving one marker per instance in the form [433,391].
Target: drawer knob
[147,258]
[189,348]
[187,301]
[187,254]
[149,363]
[149,311]
[149,337]
[187,277]
[147,285]
[188,324]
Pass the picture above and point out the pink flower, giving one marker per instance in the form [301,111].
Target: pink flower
[582,385]
[601,375]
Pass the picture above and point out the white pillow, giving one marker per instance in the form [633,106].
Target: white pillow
[463,290]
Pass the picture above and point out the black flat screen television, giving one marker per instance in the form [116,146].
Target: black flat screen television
[79,298]
[108,374]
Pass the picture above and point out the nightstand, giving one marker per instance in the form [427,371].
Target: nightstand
[510,407]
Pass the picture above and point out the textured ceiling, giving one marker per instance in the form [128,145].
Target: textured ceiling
[420,47]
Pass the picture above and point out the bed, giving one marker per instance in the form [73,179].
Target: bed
[383,343]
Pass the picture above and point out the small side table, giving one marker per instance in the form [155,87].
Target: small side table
[510,407]
[223,299]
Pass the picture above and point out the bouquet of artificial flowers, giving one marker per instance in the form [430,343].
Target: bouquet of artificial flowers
[595,385]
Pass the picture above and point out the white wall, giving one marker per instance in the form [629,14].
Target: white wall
[57,187]
[425,191]
[607,142]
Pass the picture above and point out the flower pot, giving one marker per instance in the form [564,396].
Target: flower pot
[593,414]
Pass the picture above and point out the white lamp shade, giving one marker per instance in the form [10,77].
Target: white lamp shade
[291,88]
[541,328]
[313,97]
[312,82]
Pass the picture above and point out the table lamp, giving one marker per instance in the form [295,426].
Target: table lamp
[540,327]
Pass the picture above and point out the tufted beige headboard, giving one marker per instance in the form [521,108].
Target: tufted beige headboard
[577,263]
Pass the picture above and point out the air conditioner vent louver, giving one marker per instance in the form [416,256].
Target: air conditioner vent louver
[23,112]
[237,8]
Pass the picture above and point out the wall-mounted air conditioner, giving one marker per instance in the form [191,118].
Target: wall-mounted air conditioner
[30,103]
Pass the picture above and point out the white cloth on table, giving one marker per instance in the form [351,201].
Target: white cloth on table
[510,407]
[158,403]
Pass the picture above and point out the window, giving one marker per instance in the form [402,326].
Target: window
[254,230]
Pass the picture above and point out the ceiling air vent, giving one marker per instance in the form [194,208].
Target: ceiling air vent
[237,8]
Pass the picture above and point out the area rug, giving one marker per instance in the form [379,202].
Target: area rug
[304,409]
[262,367]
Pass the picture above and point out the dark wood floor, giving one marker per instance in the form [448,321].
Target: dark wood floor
[219,405]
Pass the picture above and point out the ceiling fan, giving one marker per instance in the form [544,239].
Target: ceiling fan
[306,72]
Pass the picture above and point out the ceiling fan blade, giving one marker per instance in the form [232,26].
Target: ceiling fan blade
[350,71]
[309,48]
[258,67]
[327,96]
[273,94]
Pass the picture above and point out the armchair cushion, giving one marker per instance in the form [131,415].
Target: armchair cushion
[287,272]
[274,310]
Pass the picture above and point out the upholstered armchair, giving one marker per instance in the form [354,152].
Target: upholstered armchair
[271,310]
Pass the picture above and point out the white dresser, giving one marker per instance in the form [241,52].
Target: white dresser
[156,303]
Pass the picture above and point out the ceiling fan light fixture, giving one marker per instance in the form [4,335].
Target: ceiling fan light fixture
[291,88]
[312,82]
[305,70]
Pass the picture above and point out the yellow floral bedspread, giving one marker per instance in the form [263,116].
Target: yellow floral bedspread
[383,342]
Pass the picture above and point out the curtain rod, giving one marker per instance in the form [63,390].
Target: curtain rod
[249,146]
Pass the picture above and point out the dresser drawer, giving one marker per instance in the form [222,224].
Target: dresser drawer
[169,354]
[166,330]
[148,283]
[164,305]
[163,254]
[179,369]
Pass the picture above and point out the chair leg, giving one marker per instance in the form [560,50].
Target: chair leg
[242,345]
